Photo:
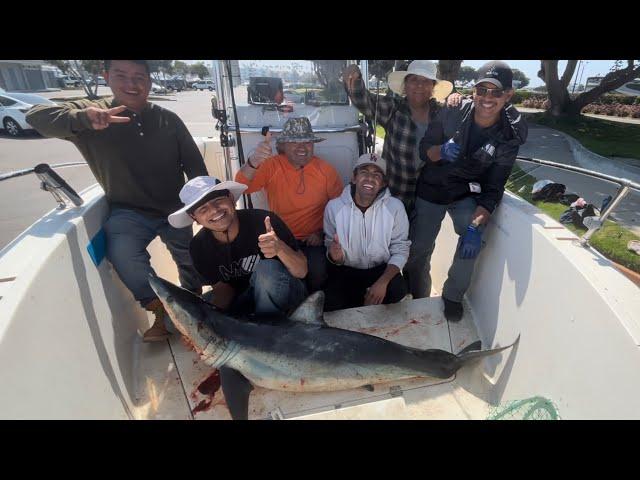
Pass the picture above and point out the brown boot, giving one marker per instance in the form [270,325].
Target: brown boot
[157,332]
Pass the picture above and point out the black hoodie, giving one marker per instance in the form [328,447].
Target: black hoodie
[444,182]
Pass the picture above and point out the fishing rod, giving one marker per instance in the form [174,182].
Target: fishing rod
[247,198]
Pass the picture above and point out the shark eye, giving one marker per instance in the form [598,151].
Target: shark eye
[170,298]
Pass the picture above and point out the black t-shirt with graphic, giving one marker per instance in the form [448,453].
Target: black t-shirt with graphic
[234,262]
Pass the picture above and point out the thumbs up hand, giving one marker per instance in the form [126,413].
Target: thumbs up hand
[263,151]
[269,242]
[335,250]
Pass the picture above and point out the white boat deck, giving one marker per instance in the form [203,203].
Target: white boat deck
[189,389]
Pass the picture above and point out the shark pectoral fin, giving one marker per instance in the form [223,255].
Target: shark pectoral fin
[310,310]
[236,389]
[368,388]
[471,347]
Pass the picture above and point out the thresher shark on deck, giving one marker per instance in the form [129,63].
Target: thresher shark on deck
[69,327]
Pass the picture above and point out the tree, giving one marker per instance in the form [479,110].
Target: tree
[467,74]
[180,67]
[561,103]
[85,70]
[449,69]
[380,68]
[199,69]
[328,71]
[160,67]
[521,77]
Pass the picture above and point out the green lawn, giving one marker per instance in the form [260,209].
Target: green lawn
[611,240]
[604,137]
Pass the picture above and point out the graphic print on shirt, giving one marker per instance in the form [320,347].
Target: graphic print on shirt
[239,268]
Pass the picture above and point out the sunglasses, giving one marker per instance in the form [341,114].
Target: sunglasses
[492,92]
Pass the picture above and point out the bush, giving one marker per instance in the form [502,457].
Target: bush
[613,99]
[536,101]
[632,111]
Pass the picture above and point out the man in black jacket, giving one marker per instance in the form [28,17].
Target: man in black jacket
[469,151]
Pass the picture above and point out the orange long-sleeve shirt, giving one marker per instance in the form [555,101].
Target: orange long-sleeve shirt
[298,196]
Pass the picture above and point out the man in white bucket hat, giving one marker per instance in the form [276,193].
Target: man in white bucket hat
[405,118]
[366,234]
[249,257]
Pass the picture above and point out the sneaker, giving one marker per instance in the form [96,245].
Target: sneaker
[452,310]
[157,332]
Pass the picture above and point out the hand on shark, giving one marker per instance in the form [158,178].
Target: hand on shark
[376,293]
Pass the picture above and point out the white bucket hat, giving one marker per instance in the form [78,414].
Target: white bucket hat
[195,190]
[424,68]
[371,159]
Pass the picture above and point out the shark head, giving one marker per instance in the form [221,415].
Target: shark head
[187,311]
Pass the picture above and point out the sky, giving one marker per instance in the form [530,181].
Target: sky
[530,68]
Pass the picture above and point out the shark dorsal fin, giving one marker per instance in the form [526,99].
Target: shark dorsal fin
[310,310]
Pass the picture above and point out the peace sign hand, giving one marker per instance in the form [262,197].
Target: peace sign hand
[101,118]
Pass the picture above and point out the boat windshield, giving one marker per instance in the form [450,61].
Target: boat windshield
[277,82]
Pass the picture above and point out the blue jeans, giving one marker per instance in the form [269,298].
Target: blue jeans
[272,291]
[425,225]
[129,233]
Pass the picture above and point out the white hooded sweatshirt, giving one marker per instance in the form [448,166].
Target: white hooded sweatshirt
[377,236]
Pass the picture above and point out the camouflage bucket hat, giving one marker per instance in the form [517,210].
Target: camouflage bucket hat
[297,130]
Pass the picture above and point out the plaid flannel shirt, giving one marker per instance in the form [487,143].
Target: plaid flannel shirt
[400,143]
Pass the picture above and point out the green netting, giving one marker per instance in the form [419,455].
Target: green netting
[535,408]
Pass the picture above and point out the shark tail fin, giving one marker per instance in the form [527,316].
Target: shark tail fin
[468,354]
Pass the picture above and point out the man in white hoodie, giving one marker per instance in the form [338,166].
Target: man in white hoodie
[366,234]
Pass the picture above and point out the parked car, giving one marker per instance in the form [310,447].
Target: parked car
[175,84]
[100,79]
[70,81]
[204,85]
[155,88]
[13,109]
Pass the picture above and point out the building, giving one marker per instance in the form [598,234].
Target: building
[27,75]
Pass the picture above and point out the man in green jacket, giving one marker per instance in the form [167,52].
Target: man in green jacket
[139,153]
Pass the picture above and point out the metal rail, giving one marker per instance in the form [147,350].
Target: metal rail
[625,185]
[27,171]
[351,128]
[51,182]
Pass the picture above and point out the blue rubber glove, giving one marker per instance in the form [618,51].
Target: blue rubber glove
[470,243]
[449,151]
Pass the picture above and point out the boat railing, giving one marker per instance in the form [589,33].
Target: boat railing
[51,182]
[593,223]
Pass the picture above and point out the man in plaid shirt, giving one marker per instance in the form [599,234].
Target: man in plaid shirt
[404,118]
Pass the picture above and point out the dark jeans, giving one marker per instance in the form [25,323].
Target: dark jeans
[129,233]
[425,225]
[316,279]
[272,291]
[347,286]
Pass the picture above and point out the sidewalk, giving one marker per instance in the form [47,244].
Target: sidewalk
[601,117]
[548,144]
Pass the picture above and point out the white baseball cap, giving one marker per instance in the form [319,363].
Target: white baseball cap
[195,190]
[371,159]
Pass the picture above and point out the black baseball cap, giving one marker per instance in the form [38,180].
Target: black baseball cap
[496,72]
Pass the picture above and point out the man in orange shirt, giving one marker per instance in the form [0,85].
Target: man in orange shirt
[298,186]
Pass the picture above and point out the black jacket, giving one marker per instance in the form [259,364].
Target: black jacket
[490,166]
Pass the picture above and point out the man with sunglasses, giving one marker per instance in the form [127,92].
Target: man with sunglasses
[468,151]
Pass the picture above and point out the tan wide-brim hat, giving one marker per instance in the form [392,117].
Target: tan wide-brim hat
[423,68]
[195,190]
